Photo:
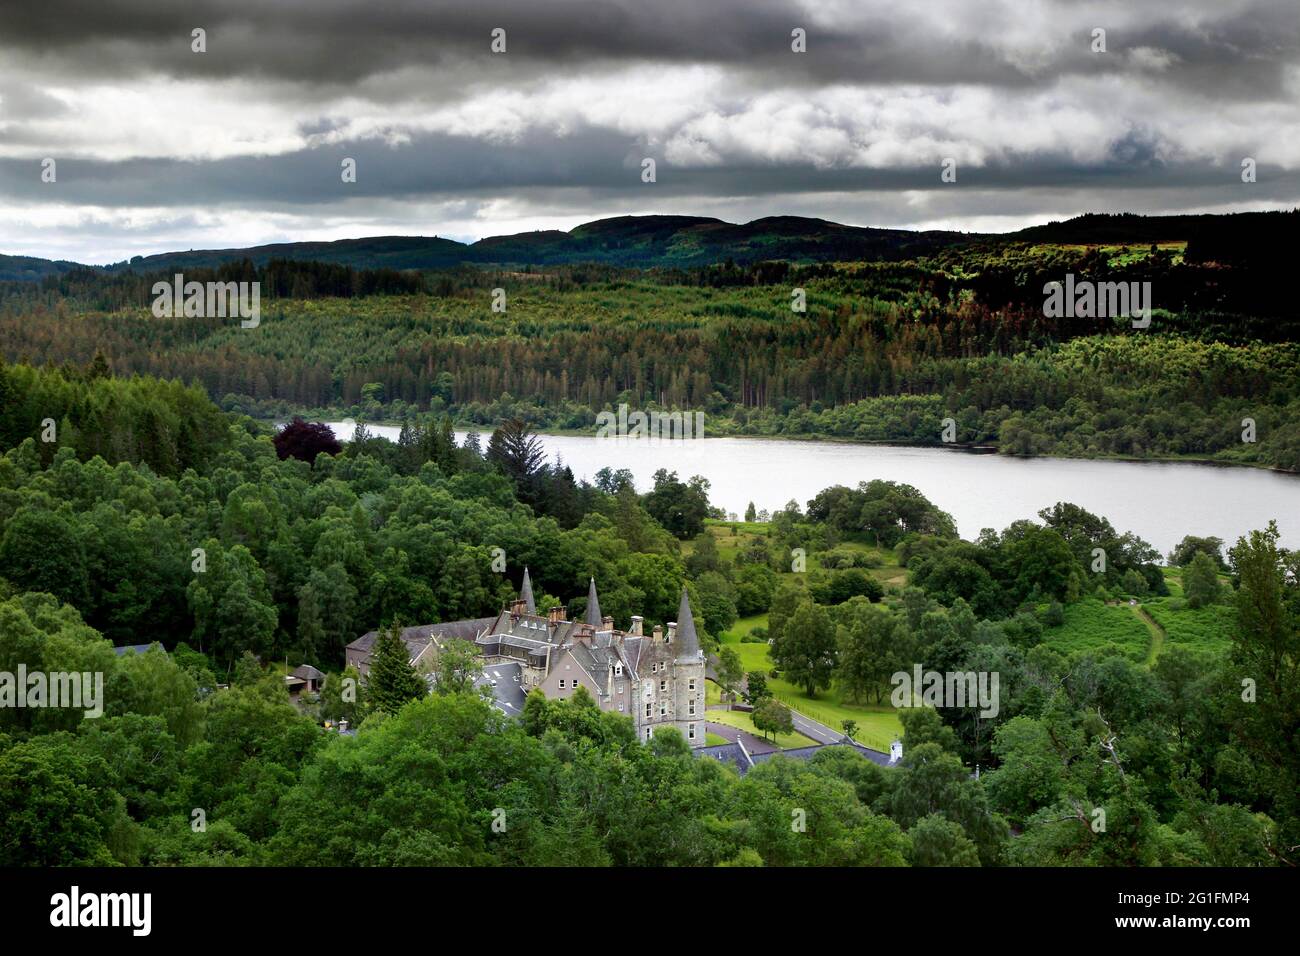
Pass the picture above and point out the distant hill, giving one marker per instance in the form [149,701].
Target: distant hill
[376,252]
[641,241]
[28,269]
[1241,237]
[690,241]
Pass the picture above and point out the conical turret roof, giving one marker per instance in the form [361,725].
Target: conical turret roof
[526,594]
[688,642]
[593,605]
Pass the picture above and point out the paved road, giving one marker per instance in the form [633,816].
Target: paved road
[817,731]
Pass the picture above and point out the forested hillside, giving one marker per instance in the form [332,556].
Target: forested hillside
[266,552]
[884,351]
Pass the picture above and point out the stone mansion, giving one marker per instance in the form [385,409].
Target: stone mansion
[657,679]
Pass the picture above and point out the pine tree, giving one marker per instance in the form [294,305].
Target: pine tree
[392,680]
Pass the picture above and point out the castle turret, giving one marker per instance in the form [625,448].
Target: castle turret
[593,606]
[687,676]
[526,594]
[687,641]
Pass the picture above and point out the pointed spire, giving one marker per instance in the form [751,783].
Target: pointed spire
[526,593]
[593,605]
[688,642]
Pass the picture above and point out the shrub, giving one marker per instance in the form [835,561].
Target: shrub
[1054,616]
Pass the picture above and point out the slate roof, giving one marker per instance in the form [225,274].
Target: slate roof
[733,754]
[596,661]
[593,606]
[688,642]
[417,637]
[632,647]
[807,753]
[526,594]
[138,648]
[307,672]
[508,693]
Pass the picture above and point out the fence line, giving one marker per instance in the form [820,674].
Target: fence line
[866,735]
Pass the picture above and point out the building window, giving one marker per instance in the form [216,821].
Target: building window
[690,731]
[691,685]
[618,688]
[618,670]
[647,733]
[648,713]
[663,708]
[692,707]
[620,707]
[663,686]
[561,683]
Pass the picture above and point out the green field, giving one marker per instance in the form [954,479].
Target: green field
[753,657]
[1090,624]
[1208,628]
[878,726]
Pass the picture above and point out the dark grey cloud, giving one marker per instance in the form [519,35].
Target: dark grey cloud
[601,162]
[332,43]
[159,147]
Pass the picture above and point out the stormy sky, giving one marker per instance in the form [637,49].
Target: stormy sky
[158,147]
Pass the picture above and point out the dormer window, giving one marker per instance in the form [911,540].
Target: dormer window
[618,670]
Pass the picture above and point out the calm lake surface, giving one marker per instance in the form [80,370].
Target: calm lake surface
[1161,502]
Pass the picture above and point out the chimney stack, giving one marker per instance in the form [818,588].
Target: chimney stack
[607,623]
[556,614]
[672,631]
[658,632]
[638,625]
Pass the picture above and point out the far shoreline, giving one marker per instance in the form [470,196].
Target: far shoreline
[981,449]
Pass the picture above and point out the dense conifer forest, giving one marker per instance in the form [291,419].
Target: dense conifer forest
[885,351]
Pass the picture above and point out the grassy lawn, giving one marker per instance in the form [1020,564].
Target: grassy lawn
[742,627]
[1207,628]
[713,740]
[1090,624]
[730,537]
[887,572]
[878,724]
[753,657]
[741,720]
